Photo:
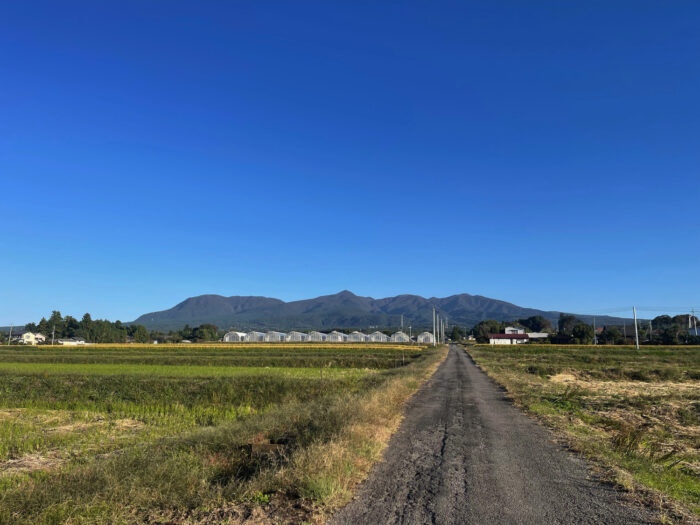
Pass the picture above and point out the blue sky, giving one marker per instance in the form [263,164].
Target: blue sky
[543,153]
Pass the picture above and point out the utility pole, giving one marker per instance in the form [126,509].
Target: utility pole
[434,335]
[695,321]
[595,335]
[402,322]
[53,331]
[9,337]
[651,331]
[636,332]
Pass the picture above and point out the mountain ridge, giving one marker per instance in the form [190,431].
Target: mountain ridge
[341,310]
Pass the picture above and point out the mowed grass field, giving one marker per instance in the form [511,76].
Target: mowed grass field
[188,434]
[636,412]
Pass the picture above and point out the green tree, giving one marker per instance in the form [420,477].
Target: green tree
[567,323]
[140,334]
[457,333]
[536,323]
[482,330]
[610,335]
[582,334]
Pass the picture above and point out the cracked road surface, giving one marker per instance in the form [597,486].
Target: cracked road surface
[465,455]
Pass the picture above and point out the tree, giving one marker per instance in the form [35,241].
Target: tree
[567,323]
[482,330]
[582,334]
[456,333]
[55,323]
[43,326]
[610,335]
[140,334]
[536,323]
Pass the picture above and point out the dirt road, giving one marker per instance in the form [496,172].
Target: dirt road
[465,455]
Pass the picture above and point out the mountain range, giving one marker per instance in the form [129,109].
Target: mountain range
[341,310]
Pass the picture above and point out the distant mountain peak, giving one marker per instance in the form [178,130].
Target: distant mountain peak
[340,310]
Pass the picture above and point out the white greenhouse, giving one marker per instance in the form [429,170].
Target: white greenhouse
[297,337]
[358,337]
[255,337]
[378,337]
[425,337]
[275,337]
[234,337]
[400,337]
[337,337]
[317,337]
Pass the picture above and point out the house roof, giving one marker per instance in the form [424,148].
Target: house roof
[509,336]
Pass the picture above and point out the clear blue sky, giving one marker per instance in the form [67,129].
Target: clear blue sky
[544,153]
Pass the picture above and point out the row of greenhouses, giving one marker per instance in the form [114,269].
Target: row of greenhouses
[321,337]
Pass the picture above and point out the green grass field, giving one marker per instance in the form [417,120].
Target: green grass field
[636,412]
[134,433]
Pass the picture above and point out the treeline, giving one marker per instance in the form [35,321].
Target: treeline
[103,331]
[89,329]
[662,330]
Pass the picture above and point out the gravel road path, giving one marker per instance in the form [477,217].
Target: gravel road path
[465,455]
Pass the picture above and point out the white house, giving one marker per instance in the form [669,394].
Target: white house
[297,337]
[254,337]
[317,337]
[337,337]
[400,337]
[537,335]
[425,337]
[275,337]
[358,337]
[234,337]
[514,330]
[507,339]
[378,337]
[28,338]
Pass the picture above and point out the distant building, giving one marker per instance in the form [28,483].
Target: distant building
[234,337]
[254,337]
[508,339]
[275,337]
[297,337]
[28,338]
[400,337]
[378,337]
[425,337]
[537,335]
[317,337]
[514,330]
[73,341]
[337,337]
[358,337]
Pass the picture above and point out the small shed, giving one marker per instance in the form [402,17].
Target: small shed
[234,337]
[425,337]
[508,339]
[378,337]
[400,337]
